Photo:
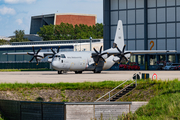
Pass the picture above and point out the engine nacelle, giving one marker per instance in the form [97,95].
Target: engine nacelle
[50,60]
[39,58]
[116,59]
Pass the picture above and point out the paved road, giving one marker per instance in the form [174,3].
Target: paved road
[53,77]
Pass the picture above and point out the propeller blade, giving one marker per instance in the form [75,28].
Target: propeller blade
[31,59]
[38,51]
[97,60]
[30,54]
[104,53]
[119,50]
[96,51]
[123,48]
[100,49]
[39,56]
[33,49]
[36,60]
[103,59]
[127,53]
[53,51]
[126,58]
[58,49]
[120,59]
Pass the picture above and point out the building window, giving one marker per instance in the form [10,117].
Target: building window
[141,59]
[172,58]
[153,59]
[162,58]
[133,58]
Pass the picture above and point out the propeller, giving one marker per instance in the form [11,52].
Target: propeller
[122,54]
[35,55]
[99,55]
[54,52]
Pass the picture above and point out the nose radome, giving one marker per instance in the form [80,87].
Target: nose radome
[54,64]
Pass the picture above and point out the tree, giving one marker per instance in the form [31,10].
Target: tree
[66,31]
[19,36]
[47,32]
[4,42]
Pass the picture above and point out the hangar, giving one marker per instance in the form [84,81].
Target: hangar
[148,25]
[22,61]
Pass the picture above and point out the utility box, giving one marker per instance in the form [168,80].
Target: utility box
[145,75]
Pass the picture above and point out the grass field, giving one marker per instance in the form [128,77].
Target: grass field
[163,96]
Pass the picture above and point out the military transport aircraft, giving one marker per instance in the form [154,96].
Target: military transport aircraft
[95,61]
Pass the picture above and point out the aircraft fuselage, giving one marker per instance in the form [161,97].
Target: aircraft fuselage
[77,61]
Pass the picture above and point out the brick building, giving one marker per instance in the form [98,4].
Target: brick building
[56,19]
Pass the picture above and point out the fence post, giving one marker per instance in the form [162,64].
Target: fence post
[109,96]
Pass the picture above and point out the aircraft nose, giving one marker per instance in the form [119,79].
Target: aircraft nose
[54,65]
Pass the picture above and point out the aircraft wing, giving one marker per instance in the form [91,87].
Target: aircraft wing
[114,51]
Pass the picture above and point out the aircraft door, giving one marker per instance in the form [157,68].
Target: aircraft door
[64,62]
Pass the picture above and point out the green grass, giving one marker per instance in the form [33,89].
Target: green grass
[18,70]
[62,86]
[164,96]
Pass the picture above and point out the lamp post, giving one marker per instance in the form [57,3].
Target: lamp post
[90,43]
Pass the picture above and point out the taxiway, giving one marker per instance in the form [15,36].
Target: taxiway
[53,77]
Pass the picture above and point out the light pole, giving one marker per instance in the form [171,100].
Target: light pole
[90,43]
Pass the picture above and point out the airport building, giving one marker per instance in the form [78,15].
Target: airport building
[55,19]
[148,25]
[22,61]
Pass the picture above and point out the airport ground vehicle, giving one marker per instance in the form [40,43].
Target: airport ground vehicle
[172,66]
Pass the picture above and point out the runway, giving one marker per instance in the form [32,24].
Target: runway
[53,77]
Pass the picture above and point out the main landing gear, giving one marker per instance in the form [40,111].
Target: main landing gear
[78,72]
[60,72]
[95,71]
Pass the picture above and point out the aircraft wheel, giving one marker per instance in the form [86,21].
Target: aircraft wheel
[97,71]
[78,72]
[60,72]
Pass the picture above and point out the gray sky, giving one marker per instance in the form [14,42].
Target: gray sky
[16,14]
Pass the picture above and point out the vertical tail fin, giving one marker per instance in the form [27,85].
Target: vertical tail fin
[119,37]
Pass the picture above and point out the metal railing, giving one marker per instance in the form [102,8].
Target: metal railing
[116,88]
[119,92]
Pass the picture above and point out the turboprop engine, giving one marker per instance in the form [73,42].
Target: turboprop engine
[36,55]
[122,56]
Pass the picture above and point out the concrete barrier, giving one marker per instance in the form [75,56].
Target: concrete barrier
[23,110]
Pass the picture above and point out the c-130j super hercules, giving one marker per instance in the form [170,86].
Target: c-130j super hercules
[95,61]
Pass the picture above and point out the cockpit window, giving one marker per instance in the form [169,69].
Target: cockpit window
[63,56]
[58,56]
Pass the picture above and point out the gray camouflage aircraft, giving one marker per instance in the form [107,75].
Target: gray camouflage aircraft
[95,61]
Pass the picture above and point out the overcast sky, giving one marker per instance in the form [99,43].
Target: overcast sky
[16,14]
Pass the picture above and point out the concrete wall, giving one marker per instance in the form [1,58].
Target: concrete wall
[23,110]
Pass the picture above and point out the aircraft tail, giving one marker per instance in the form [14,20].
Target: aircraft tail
[119,37]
